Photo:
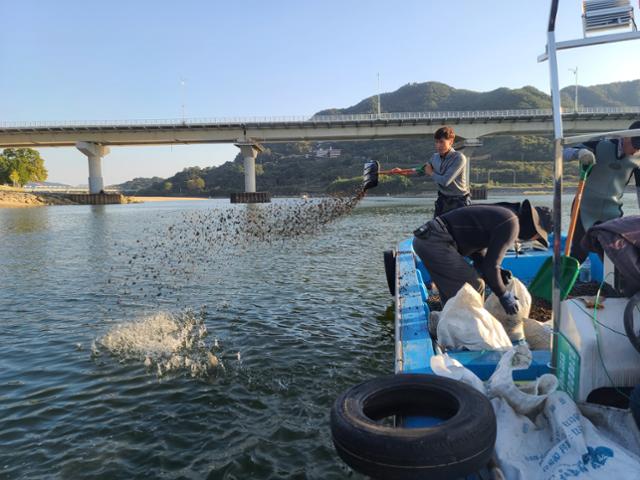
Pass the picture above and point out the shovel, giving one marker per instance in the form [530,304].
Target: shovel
[372,170]
[569,266]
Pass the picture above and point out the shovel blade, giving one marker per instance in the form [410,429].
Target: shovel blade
[541,284]
[370,175]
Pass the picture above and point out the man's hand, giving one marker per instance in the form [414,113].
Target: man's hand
[510,303]
[586,157]
[428,169]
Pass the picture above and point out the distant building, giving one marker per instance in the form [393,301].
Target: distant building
[327,152]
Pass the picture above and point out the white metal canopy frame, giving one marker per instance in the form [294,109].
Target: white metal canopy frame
[598,15]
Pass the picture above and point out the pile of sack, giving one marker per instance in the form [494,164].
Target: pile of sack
[543,434]
[471,323]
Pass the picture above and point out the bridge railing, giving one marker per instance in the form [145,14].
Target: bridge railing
[341,118]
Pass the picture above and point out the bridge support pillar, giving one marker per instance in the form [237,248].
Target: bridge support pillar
[469,145]
[94,153]
[249,151]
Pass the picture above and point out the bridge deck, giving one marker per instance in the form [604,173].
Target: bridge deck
[469,124]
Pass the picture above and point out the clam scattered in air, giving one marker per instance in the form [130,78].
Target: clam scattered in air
[156,265]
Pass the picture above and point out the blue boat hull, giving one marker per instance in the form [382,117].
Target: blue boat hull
[414,346]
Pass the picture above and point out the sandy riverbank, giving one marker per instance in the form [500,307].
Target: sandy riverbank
[135,199]
[15,198]
[18,198]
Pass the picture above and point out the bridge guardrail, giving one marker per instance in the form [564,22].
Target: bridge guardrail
[444,115]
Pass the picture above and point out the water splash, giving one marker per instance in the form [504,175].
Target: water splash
[165,343]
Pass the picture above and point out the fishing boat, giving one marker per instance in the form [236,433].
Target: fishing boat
[414,424]
[410,279]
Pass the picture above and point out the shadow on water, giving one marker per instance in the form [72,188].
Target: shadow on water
[24,220]
[389,313]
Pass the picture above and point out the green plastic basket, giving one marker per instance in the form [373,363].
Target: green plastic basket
[541,284]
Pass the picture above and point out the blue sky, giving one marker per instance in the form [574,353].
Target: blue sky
[119,60]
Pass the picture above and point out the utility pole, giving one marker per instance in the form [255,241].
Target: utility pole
[378,94]
[575,72]
[182,86]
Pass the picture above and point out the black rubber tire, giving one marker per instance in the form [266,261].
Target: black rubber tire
[390,270]
[459,446]
[628,321]
[634,404]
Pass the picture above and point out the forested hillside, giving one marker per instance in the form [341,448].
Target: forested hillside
[288,169]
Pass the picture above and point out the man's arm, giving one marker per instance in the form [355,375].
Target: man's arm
[478,260]
[445,179]
[501,239]
[426,169]
[572,153]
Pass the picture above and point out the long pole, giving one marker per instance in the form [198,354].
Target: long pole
[557,181]
[576,89]
[575,103]
[378,93]
[182,84]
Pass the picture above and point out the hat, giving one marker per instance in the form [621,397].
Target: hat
[530,224]
[635,141]
[545,215]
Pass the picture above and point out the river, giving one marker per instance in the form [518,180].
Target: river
[131,347]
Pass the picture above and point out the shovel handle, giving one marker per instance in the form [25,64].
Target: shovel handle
[576,210]
[398,171]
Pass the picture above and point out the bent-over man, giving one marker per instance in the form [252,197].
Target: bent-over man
[483,233]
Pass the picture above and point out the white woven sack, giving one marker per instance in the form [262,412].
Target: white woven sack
[511,323]
[465,323]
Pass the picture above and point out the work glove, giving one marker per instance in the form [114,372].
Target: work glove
[586,157]
[506,275]
[510,303]
[420,170]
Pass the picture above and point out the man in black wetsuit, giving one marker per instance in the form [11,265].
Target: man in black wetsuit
[483,233]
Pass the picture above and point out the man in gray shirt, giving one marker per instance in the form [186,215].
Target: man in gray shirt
[614,162]
[448,169]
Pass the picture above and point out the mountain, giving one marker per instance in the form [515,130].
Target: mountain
[294,168]
[435,96]
[46,184]
[136,185]
[618,94]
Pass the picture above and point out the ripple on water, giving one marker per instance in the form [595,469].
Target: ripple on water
[280,298]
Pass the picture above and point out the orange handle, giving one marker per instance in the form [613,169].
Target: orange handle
[574,217]
[399,171]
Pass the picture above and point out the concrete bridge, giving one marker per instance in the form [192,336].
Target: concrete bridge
[94,139]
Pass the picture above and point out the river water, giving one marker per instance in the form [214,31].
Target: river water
[134,345]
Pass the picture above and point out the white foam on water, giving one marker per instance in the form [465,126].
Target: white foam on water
[163,342]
